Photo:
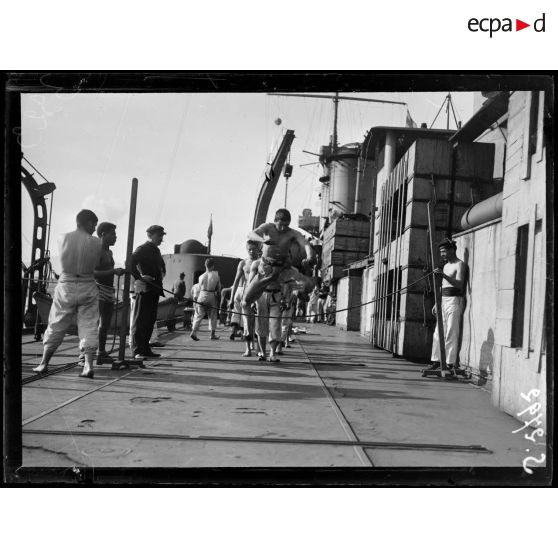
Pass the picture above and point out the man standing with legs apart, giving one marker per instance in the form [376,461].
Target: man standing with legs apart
[76,293]
[208,299]
[454,277]
[148,268]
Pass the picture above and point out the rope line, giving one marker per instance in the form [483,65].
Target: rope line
[209,307]
[255,314]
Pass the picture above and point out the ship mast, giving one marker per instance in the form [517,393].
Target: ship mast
[335,112]
[336,98]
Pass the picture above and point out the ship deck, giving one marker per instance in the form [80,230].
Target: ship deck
[332,401]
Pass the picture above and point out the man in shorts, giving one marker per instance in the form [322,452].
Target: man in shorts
[208,299]
[275,265]
[242,275]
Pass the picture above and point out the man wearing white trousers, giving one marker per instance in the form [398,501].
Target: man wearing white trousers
[454,276]
[287,321]
[76,295]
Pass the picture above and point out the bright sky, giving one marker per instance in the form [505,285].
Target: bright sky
[194,155]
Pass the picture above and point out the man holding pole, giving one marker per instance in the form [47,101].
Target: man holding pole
[454,276]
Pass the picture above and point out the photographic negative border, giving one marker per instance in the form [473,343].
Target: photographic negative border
[16,83]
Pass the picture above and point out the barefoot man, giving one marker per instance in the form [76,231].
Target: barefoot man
[76,294]
[268,308]
[104,276]
[287,316]
[271,304]
[240,281]
[275,263]
[454,275]
[208,299]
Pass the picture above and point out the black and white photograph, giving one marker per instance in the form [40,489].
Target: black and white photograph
[288,277]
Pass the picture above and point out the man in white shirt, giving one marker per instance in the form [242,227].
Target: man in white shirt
[76,295]
[207,299]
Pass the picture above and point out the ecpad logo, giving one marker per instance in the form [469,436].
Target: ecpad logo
[494,24]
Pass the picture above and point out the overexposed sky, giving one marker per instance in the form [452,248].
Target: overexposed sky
[194,154]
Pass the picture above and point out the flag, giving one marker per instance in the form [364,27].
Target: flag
[409,122]
[210,229]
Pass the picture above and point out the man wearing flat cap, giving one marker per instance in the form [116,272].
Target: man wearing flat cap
[454,278]
[148,269]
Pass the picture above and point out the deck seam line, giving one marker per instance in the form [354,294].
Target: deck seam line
[244,439]
[347,428]
[72,400]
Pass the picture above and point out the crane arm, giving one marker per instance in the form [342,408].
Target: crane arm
[272,175]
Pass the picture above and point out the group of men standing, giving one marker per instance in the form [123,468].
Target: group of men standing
[264,291]
[85,292]
[263,294]
[266,281]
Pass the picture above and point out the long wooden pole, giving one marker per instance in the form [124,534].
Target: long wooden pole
[210,234]
[124,326]
[437,287]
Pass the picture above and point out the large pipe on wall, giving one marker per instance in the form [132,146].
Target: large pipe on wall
[482,212]
[358,185]
[389,154]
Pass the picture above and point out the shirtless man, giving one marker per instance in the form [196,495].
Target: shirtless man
[76,295]
[269,311]
[275,263]
[208,299]
[454,275]
[104,277]
[240,281]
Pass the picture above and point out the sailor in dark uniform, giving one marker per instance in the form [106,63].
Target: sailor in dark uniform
[148,268]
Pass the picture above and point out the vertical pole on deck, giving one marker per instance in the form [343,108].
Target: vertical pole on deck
[437,287]
[125,323]
[12,434]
